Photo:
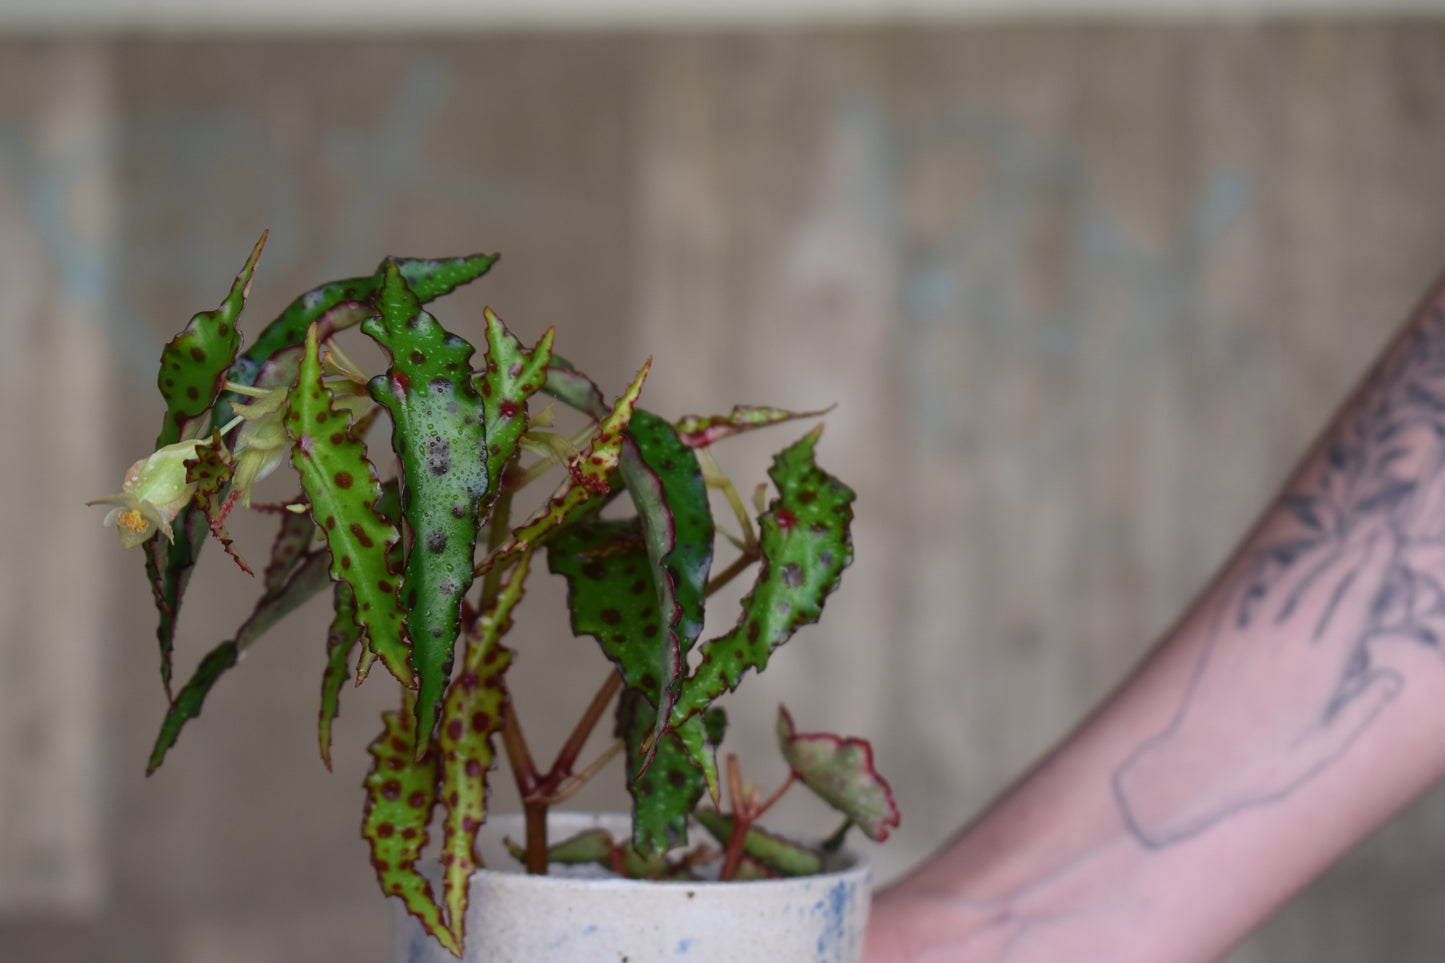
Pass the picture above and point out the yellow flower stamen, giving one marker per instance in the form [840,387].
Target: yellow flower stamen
[133,521]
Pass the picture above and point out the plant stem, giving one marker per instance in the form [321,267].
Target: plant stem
[777,794]
[742,821]
[571,784]
[536,815]
[572,748]
[731,572]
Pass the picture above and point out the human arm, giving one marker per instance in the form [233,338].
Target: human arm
[1297,705]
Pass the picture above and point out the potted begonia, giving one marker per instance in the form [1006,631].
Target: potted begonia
[424,546]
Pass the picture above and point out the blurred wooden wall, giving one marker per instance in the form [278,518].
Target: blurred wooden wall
[1081,296]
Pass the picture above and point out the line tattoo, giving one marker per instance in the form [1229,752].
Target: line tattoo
[1353,556]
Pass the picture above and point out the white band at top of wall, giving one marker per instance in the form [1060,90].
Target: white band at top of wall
[316,16]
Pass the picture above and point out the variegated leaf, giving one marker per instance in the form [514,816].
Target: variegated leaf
[840,770]
[168,568]
[437,427]
[587,480]
[305,582]
[400,794]
[511,376]
[806,544]
[343,490]
[698,431]
[341,639]
[471,715]
[194,363]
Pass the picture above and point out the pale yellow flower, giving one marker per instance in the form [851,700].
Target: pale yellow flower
[153,493]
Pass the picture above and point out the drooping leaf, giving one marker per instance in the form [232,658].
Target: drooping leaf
[841,772]
[437,425]
[699,431]
[342,487]
[610,594]
[666,484]
[211,472]
[783,856]
[806,543]
[306,581]
[293,538]
[573,388]
[587,846]
[168,568]
[587,480]
[429,278]
[665,784]
[400,794]
[471,714]
[511,376]
[598,846]
[345,632]
[194,363]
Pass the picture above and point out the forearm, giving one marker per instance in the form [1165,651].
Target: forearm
[1297,705]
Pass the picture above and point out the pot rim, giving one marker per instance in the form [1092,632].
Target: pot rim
[846,864]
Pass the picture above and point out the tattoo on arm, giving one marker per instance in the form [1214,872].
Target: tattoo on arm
[1290,676]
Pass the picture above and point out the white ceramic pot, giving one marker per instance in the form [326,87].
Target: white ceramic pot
[588,917]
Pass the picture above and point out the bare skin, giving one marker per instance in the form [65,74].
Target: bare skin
[1294,708]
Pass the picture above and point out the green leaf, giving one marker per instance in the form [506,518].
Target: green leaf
[666,784]
[783,856]
[698,431]
[429,278]
[471,715]
[666,484]
[806,544]
[841,772]
[587,846]
[341,638]
[194,363]
[400,795]
[436,418]
[575,389]
[342,487]
[168,568]
[293,538]
[512,375]
[610,595]
[193,367]
[587,480]
[307,581]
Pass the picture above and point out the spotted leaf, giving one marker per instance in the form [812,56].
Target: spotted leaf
[293,538]
[343,490]
[194,363]
[697,431]
[305,582]
[841,772]
[341,638]
[471,715]
[169,565]
[400,795]
[429,278]
[665,782]
[806,544]
[437,427]
[511,376]
[587,480]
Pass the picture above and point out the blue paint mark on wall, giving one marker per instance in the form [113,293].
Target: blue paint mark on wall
[1118,297]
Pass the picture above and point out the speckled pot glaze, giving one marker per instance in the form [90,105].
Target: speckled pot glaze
[516,918]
